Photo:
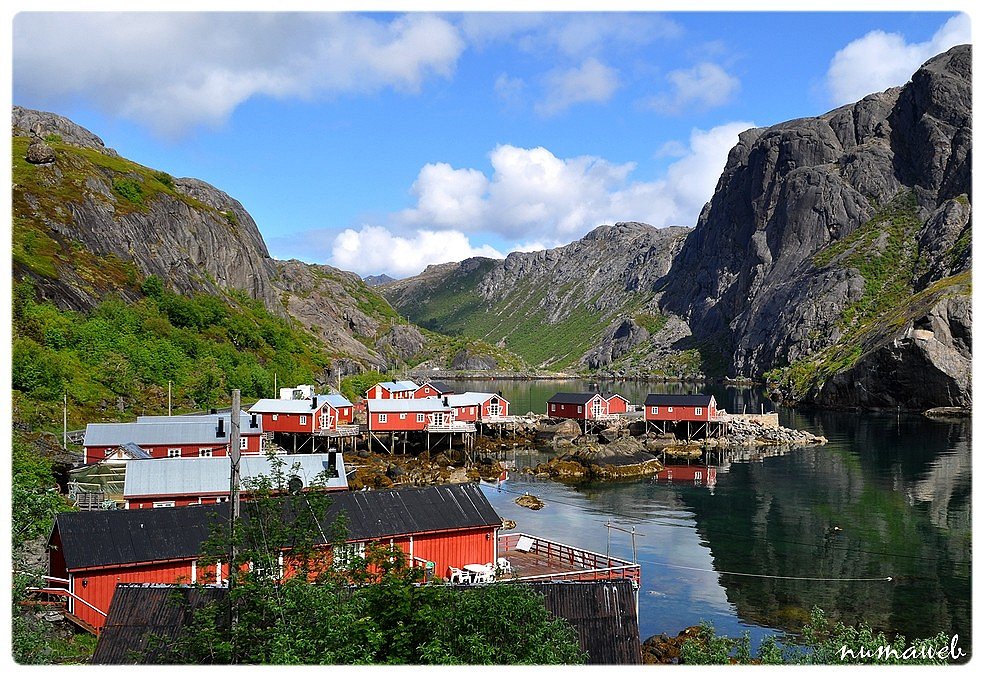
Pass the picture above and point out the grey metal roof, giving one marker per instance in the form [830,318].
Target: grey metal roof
[337,401]
[298,405]
[681,400]
[245,419]
[578,398]
[400,385]
[176,431]
[210,475]
[100,538]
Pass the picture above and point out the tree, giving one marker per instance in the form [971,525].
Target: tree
[330,608]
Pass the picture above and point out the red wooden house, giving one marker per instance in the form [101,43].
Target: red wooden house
[90,552]
[617,404]
[319,413]
[680,408]
[428,389]
[177,436]
[205,480]
[577,406]
[476,406]
[397,389]
[408,414]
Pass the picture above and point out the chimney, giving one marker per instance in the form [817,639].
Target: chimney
[213,411]
[221,427]
[313,403]
[332,464]
[254,423]
[446,402]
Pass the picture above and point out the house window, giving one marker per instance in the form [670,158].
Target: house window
[204,452]
[325,420]
[275,417]
[243,443]
[552,407]
[173,452]
[698,412]
[579,408]
[345,554]
[654,410]
[110,451]
[303,420]
[420,418]
[163,505]
[698,475]
[402,416]
[669,408]
[383,418]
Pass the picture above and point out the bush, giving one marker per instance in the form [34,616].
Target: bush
[129,189]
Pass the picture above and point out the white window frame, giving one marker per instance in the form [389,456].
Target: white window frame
[654,410]
[698,411]
[420,418]
[325,420]
[343,554]
[553,406]
[579,409]
[206,452]
[670,409]
[303,420]
[383,418]
[402,416]
[163,505]
[173,452]
[243,442]
[275,417]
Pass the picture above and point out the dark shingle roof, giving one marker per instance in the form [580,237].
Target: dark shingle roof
[97,538]
[680,400]
[571,397]
[442,387]
[601,612]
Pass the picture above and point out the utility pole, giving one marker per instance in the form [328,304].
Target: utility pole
[234,454]
[64,423]
[168,398]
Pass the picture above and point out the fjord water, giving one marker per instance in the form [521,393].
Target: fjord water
[781,531]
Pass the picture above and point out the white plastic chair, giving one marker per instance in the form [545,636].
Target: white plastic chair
[459,576]
[485,577]
[504,565]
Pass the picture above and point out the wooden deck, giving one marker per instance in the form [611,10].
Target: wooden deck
[550,560]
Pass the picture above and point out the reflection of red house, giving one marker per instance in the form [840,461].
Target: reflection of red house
[306,415]
[433,389]
[695,474]
[397,389]
[177,436]
[680,408]
[91,552]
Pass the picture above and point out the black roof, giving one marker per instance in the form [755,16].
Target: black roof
[601,612]
[681,400]
[573,397]
[442,387]
[98,538]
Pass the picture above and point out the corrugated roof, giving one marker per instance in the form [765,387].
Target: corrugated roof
[400,385]
[405,405]
[98,538]
[578,398]
[210,475]
[282,405]
[183,432]
[601,612]
[245,419]
[337,401]
[680,400]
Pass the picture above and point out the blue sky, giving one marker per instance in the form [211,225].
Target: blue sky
[384,142]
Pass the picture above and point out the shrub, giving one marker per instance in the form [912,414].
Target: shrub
[129,189]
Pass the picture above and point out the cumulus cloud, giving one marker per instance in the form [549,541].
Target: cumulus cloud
[881,60]
[704,86]
[591,82]
[174,71]
[374,249]
[533,200]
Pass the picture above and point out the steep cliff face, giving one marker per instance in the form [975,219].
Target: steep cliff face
[555,308]
[820,232]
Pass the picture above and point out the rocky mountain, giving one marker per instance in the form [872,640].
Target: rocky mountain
[836,251]
[583,303]
[377,279]
[88,222]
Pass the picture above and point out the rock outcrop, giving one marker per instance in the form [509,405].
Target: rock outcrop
[821,229]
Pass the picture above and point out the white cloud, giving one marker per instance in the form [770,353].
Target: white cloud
[592,82]
[174,71]
[880,60]
[704,86]
[374,249]
[447,197]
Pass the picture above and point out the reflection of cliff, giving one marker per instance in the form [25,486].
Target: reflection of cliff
[778,517]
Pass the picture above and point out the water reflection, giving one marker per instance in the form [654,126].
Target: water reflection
[889,496]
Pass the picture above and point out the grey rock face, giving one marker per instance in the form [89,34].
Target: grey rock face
[465,360]
[44,124]
[405,340]
[747,277]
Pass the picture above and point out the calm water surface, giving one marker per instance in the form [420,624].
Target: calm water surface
[889,496]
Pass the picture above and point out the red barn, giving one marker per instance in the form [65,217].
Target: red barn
[318,413]
[617,404]
[577,406]
[177,436]
[205,480]
[680,408]
[90,552]
[396,389]
[433,389]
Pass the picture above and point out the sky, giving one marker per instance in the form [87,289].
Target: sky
[384,142]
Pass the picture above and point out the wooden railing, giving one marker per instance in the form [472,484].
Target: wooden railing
[452,428]
[591,565]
